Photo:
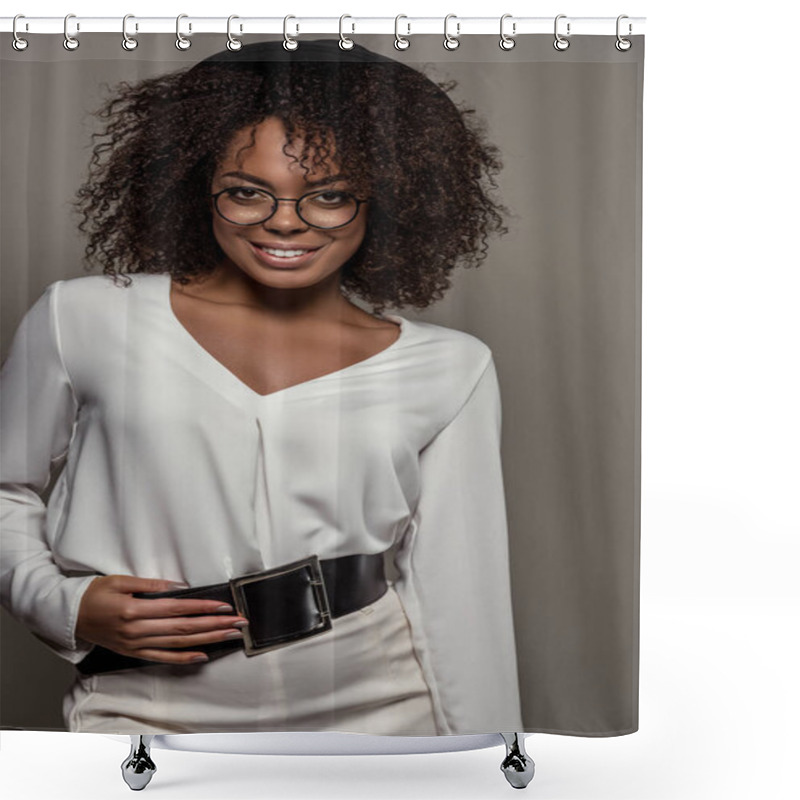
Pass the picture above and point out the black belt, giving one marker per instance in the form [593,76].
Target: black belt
[282,605]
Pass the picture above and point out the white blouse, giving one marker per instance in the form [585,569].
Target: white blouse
[176,469]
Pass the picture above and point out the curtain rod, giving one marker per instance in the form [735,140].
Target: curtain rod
[299,25]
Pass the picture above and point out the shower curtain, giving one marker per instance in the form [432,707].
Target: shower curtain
[490,454]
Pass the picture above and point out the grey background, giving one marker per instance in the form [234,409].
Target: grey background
[558,301]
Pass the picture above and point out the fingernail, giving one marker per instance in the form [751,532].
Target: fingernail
[178,585]
[198,659]
[234,635]
[241,624]
[224,608]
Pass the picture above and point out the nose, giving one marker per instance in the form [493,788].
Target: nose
[285,217]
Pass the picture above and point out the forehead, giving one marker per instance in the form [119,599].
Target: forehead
[266,144]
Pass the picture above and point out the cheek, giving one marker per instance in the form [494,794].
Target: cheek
[358,234]
[222,233]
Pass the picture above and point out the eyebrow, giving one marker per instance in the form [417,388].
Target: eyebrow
[268,185]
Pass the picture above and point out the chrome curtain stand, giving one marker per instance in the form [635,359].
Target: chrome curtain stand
[138,768]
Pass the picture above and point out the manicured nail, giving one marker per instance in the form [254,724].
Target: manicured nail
[241,624]
[234,635]
[198,659]
[224,608]
[178,585]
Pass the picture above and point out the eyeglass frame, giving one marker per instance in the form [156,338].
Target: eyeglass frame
[295,200]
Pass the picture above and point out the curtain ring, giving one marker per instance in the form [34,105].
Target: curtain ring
[560,42]
[451,42]
[128,42]
[18,43]
[70,42]
[182,43]
[623,44]
[400,42]
[233,44]
[344,42]
[288,42]
[506,42]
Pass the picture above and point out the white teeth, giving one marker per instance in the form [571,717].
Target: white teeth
[282,253]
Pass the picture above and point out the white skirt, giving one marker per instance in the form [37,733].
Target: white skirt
[362,676]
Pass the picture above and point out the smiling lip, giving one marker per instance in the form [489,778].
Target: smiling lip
[287,245]
[281,261]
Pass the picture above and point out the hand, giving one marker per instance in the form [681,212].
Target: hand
[149,628]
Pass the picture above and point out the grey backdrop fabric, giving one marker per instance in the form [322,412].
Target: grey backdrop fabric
[558,300]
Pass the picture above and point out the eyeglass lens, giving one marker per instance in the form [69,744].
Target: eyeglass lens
[325,209]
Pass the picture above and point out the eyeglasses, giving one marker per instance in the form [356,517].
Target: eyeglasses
[325,208]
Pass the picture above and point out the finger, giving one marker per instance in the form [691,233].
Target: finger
[181,626]
[193,640]
[129,583]
[171,657]
[178,607]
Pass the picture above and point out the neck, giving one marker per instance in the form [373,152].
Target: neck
[229,284]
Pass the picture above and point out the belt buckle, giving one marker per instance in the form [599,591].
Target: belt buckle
[320,594]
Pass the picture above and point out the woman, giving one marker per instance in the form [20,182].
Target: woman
[231,420]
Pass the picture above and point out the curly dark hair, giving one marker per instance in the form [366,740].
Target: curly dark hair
[398,135]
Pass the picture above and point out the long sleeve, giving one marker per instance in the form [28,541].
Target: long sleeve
[455,578]
[37,413]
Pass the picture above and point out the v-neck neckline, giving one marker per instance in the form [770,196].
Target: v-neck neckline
[228,374]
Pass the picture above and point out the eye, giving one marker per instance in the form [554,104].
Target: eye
[330,197]
[244,193]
